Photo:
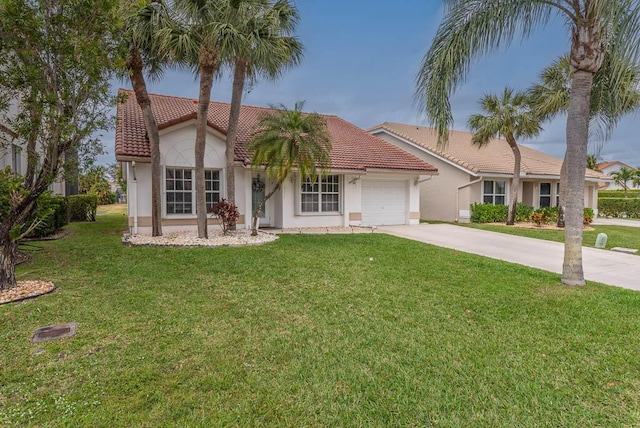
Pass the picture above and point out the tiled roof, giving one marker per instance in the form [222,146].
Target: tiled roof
[605,165]
[352,147]
[493,158]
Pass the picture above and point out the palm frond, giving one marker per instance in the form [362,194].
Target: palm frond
[285,139]
[469,30]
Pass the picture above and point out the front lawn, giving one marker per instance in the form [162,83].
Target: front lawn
[335,330]
[617,236]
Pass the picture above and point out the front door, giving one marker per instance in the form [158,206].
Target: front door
[258,192]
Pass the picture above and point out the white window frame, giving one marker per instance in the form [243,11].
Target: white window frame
[319,183]
[165,203]
[493,194]
[558,194]
[546,195]
[212,191]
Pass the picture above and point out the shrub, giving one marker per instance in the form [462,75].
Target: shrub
[631,193]
[619,207]
[83,207]
[51,211]
[523,212]
[52,214]
[587,216]
[227,213]
[488,213]
[538,218]
[545,215]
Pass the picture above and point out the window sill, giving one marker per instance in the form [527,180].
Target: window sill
[307,214]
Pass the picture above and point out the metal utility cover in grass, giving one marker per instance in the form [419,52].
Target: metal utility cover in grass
[51,332]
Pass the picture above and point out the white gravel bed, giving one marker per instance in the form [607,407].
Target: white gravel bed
[325,230]
[190,239]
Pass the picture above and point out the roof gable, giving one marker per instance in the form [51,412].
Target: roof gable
[352,147]
[493,158]
[605,165]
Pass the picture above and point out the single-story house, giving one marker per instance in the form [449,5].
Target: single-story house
[608,168]
[371,182]
[469,174]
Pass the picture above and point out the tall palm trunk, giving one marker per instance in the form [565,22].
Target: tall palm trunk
[207,65]
[515,181]
[562,197]
[576,160]
[135,66]
[239,75]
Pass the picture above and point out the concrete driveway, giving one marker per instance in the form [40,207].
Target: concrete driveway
[607,267]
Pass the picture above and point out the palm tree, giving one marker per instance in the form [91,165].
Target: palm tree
[473,28]
[592,162]
[511,117]
[622,177]
[287,139]
[197,40]
[610,101]
[145,55]
[636,178]
[264,47]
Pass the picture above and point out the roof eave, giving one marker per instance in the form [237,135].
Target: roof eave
[426,150]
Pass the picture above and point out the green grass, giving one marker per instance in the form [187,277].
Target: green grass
[617,236]
[309,331]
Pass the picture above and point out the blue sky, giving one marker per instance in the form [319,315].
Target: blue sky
[360,62]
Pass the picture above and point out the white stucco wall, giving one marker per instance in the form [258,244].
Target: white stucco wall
[283,209]
[612,185]
[177,150]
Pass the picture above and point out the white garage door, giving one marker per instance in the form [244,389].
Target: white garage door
[384,202]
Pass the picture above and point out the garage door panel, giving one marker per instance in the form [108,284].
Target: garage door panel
[384,202]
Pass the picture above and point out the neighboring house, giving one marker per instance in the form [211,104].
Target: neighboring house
[14,155]
[371,182]
[11,153]
[469,174]
[608,168]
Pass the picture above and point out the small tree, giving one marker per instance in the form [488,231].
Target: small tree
[511,117]
[55,64]
[227,213]
[287,139]
[622,177]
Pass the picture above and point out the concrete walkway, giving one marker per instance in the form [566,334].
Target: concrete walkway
[607,267]
[616,222]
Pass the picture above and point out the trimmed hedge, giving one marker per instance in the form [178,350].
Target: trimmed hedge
[488,213]
[83,207]
[53,213]
[631,193]
[619,207]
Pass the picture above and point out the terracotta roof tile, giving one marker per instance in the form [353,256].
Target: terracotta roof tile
[352,147]
[604,165]
[493,158]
